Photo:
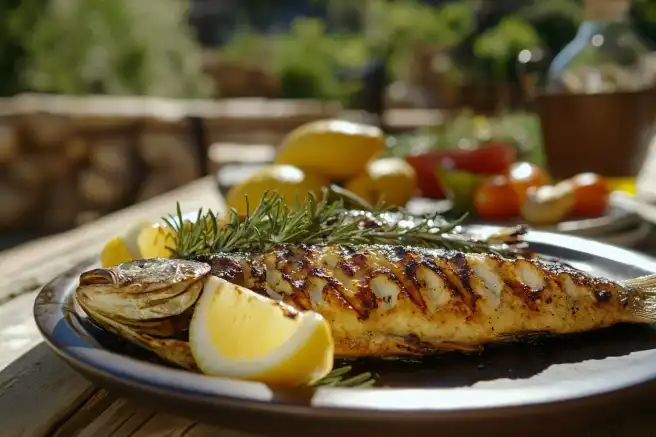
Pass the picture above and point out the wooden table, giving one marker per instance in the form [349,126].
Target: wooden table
[41,396]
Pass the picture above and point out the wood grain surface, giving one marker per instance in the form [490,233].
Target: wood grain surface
[42,396]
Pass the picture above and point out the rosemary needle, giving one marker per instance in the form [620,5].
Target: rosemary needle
[336,379]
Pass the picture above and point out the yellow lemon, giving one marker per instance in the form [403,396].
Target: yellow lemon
[337,149]
[237,333]
[363,186]
[123,248]
[390,179]
[154,242]
[627,185]
[289,181]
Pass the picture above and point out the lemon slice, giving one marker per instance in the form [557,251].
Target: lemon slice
[237,333]
[124,247]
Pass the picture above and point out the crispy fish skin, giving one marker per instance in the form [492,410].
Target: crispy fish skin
[391,300]
[151,298]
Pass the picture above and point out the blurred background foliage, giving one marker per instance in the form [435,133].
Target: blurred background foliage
[314,49]
[121,47]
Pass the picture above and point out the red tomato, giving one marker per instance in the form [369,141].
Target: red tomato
[590,195]
[495,198]
[427,180]
[489,159]
[524,175]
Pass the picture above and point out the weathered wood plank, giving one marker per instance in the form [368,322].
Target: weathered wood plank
[104,415]
[94,407]
[37,392]
[18,331]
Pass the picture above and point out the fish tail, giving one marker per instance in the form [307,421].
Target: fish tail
[644,304]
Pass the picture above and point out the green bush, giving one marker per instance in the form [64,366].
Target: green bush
[123,47]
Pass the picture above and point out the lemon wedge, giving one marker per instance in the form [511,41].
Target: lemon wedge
[237,333]
[154,242]
[123,248]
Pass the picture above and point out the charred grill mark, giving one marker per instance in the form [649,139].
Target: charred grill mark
[298,285]
[347,268]
[338,295]
[398,272]
[359,260]
[318,273]
[411,272]
[466,300]
[257,270]
[367,298]
[412,289]
[529,296]
[462,270]
[602,295]
[333,284]
[228,269]
[430,264]
[301,301]
[624,300]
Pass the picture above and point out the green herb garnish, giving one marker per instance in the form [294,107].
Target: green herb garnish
[328,221]
[338,378]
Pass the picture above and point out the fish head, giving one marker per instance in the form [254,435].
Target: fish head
[146,275]
[146,295]
[174,351]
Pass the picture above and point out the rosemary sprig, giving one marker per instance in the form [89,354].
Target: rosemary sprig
[338,378]
[328,221]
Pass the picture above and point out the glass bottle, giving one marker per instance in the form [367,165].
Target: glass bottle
[606,56]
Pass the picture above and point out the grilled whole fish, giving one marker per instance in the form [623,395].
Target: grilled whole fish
[384,300]
[390,300]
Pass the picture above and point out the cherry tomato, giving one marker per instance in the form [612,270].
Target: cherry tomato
[495,198]
[590,194]
[524,175]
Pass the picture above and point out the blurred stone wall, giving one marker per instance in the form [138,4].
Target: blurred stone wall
[65,160]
